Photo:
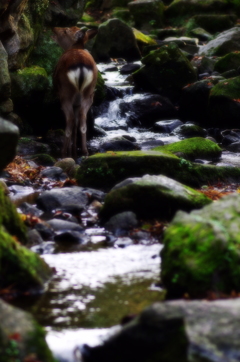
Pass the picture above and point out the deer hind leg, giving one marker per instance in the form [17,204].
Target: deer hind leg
[69,130]
[85,105]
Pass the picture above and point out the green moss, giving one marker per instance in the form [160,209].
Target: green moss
[20,268]
[106,170]
[166,71]
[10,219]
[46,52]
[43,159]
[142,38]
[201,251]
[193,148]
[228,62]
[152,197]
[229,89]
[28,80]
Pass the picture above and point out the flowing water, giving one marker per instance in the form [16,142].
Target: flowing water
[94,288]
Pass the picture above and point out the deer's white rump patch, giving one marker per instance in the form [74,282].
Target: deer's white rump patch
[81,72]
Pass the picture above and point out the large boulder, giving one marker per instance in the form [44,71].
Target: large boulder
[224,104]
[115,39]
[9,135]
[147,13]
[179,10]
[166,71]
[201,331]
[104,170]
[22,339]
[201,251]
[224,43]
[212,23]
[151,197]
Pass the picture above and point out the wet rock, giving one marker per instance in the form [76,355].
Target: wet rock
[166,126]
[204,64]
[54,173]
[165,71]
[151,197]
[147,14]
[66,164]
[45,231]
[201,34]
[224,43]
[9,135]
[205,325]
[189,130]
[21,336]
[59,225]
[193,148]
[34,238]
[230,136]
[145,338]
[120,224]
[120,144]
[213,23]
[105,170]
[206,237]
[44,248]
[148,145]
[58,197]
[234,147]
[121,42]
[129,68]
[29,146]
[224,106]
[69,237]
[123,242]
[146,111]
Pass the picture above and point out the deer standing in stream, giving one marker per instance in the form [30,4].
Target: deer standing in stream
[75,79]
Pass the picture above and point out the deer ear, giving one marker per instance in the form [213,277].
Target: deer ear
[79,35]
[91,33]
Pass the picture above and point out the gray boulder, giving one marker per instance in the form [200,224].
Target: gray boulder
[115,39]
[176,331]
[151,197]
[226,42]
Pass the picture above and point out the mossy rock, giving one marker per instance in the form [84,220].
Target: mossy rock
[193,148]
[21,269]
[228,62]
[124,15]
[104,170]
[224,104]
[165,71]
[179,10]
[147,14]
[43,159]
[28,82]
[21,337]
[5,81]
[201,251]
[10,219]
[214,23]
[151,197]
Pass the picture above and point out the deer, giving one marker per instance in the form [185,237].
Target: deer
[74,80]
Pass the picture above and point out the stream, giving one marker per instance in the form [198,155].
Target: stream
[94,288]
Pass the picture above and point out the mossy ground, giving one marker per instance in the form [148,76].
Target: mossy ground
[193,148]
